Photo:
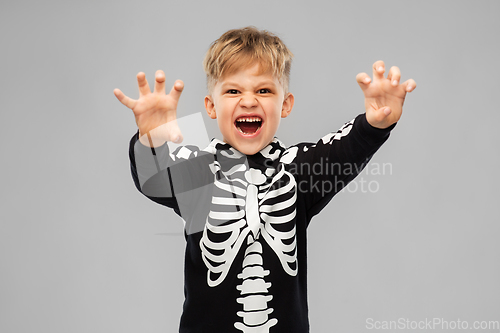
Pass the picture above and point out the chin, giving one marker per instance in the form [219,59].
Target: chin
[248,149]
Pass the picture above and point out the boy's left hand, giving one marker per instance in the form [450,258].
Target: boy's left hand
[384,97]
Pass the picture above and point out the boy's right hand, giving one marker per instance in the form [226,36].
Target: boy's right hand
[155,112]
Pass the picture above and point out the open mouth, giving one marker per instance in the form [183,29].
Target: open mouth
[248,125]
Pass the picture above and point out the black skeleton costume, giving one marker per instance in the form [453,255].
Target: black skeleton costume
[246,219]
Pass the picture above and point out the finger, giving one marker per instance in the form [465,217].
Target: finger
[177,89]
[159,82]
[143,84]
[377,118]
[394,75]
[174,132]
[168,131]
[128,102]
[363,80]
[378,70]
[409,85]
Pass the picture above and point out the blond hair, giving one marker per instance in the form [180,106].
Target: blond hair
[241,48]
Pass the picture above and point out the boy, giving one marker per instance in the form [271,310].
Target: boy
[247,200]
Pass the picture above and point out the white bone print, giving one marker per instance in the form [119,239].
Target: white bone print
[261,208]
[254,290]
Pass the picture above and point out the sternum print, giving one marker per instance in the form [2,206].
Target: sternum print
[268,218]
[254,292]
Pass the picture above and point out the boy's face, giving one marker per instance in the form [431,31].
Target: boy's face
[248,108]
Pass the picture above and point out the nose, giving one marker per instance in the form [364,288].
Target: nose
[248,101]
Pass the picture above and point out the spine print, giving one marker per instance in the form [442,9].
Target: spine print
[254,292]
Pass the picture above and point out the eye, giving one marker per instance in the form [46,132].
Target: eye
[264,91]
[232,91]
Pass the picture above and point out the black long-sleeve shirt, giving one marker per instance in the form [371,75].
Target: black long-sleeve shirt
[246,219]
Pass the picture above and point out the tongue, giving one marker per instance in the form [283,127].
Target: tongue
[249,127]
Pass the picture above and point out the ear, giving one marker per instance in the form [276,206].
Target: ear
[210,106]
[287,105]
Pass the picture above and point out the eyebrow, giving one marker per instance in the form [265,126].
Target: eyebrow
[261,83]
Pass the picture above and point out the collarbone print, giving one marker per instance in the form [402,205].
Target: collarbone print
[250,206]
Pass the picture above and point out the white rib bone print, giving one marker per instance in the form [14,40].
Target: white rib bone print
[246,205]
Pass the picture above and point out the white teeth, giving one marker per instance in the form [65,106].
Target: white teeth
[248,119]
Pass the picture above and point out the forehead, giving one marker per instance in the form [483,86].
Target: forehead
[250,74]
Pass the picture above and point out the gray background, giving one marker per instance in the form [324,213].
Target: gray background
[81,250]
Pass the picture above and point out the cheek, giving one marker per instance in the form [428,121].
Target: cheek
[273,123]
[224,121]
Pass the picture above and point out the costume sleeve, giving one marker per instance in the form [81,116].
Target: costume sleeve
[172,179]
[326,167]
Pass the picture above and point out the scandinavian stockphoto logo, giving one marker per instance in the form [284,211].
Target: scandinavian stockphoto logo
[214,181]
[430,324]
[324,177]
[237,205]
